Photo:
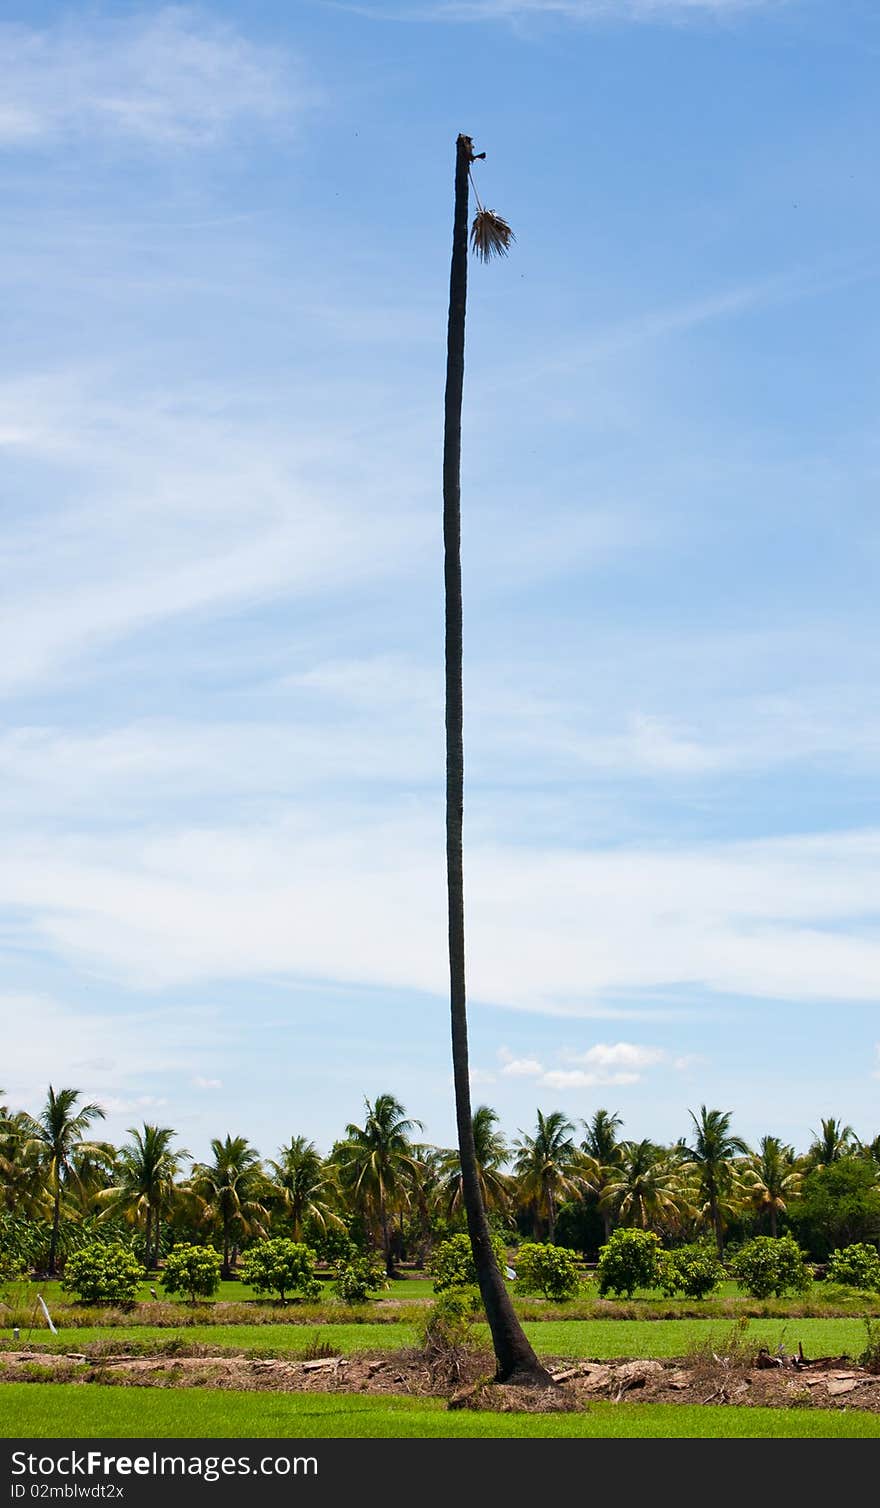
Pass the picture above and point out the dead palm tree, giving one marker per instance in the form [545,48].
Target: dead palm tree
[490,235]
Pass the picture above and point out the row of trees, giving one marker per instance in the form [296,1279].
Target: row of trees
[388,1189]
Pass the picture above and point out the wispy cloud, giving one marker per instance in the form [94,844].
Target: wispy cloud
[605,1063]
[573,10]
[175,76]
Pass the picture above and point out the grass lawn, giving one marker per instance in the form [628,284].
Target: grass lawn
[58,1410]
[601,1339]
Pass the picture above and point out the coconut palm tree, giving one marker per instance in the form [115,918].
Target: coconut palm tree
[600,1143]
[644,1188]
[490,236]
[549,1167]
[832,1142]
[144,1181]
[771,1178]
[377,1165]
[303,1185]
[56,1138]
[231,1190]
[491,1153]
[711,1159]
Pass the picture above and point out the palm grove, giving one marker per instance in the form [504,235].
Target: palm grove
[387,1191]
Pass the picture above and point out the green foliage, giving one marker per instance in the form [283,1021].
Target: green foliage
[194,1270]
[357,1279]
[452,1264]
[630,1260]
[103,1274]
[283,1267]
[858,1266]
[332,1245]
[839,1205]
[450,1320]
[546,1269]
[870,1357]
[769,1264]
[693,1270]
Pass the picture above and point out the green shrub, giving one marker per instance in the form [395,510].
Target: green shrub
[452,1264]
[546,1269]
[194,1270]
[870,1357]
[357,1279]
[449,1322]
[332,1245]
[858,1266]
[283,1267]
[771,1264]
[103,1274]
[630,1260]
[693,1270]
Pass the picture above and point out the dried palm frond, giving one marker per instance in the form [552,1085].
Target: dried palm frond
[490,235]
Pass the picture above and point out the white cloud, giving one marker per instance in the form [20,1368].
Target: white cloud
[619,1054]
[522,1068]
[172,76]
[200,1083]
[573,10]
[576,1078]
[363,899]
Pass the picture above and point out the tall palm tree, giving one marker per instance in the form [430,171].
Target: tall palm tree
[303,1184]
[549,1166]
[377,1164]
[643,1188]
[601,1144]
[491,1153]
[712,1161]
[513,1353]
[57,1137]
[772,1177]
[144,1181]
[832,1142]
[231,1191]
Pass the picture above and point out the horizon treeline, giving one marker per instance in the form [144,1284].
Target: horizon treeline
[383,1187]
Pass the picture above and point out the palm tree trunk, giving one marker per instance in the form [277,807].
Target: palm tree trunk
[56,1228]
[773,1220]
[513,1353]
[149,1238]
[224,1271]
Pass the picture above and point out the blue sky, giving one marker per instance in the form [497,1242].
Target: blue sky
[225,258]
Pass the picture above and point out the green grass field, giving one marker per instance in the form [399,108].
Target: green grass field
[58,1410]
[601,1339]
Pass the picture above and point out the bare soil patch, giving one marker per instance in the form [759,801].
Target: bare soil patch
[829,1382]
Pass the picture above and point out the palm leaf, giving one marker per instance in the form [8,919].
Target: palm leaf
[490,235]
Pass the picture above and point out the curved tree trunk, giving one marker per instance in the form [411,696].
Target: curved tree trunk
[513,1353]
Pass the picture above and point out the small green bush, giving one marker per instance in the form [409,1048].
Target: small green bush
[693,1270]
[546,1269]
[283,1267]
[357,1279]
[630,1260]
[771,1264]
[870,1357]
[858,1266]
[103,1274]
[452,1264]
[449,1322]
[194,1270]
